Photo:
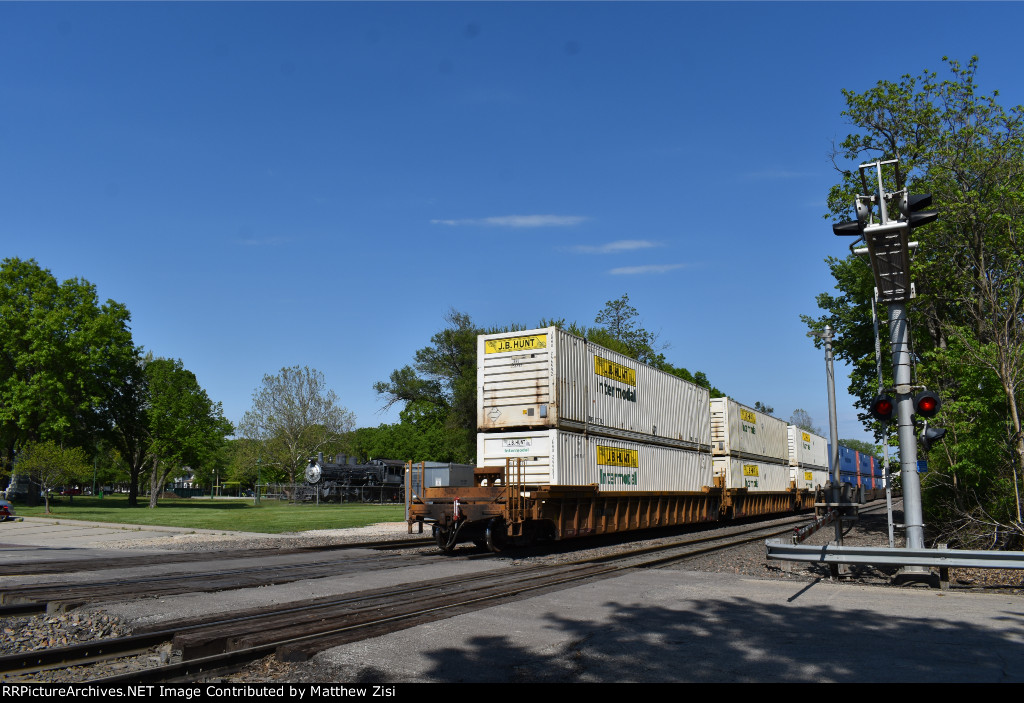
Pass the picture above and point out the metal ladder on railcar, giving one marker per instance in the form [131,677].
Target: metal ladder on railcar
[515,503]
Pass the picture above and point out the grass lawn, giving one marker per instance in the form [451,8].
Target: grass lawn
[269,516]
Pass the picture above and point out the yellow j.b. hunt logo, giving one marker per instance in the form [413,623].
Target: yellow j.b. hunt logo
[529,343]
[806,437]
[748,416]
[750,470]
[613,456]
[616,372]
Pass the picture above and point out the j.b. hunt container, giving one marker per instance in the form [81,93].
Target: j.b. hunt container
[550,379]
[752,475]
[562,458]
[808,457]
[743,432]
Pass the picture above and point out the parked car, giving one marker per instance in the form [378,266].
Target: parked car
[71,492]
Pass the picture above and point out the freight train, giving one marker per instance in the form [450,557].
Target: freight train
[575,439]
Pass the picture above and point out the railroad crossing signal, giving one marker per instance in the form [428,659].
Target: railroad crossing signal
[931,435]
[881,408]
[927,404]
[888,236]
[888,248]
[911,209]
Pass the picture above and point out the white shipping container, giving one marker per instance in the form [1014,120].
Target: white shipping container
[807,449]
[810,479]
[548,378]
[752,475]
[561,458]
[737,430]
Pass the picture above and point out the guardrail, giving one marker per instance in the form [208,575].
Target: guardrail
[781,550]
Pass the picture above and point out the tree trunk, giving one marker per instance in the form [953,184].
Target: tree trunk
[1015,420]
[154,484]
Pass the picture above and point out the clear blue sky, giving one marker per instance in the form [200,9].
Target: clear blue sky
[273,184]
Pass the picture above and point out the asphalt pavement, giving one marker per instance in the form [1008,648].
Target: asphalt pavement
[656,625]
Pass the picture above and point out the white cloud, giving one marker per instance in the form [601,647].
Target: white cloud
[516,221]
[615,247]
[641,270]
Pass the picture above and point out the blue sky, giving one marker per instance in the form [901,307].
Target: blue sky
[271,184]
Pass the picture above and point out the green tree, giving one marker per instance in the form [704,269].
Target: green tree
[163,422]
[63,357]
[619,321]
[53,465]
[186,428]
[968,151]
[439,388]
[621,332]
[130,431]
[244,464]
[294,416]
[861,446]
[802,419]
[415,438]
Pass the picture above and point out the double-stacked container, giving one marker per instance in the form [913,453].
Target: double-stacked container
[581,414]
[869,470]
[857,468]
[750,449]
[808,458]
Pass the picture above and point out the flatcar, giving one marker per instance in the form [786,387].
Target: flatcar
[575,439]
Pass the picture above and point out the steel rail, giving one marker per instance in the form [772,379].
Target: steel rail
[103,649]
[291,649]
[31,568]
[100,650]
[37,593]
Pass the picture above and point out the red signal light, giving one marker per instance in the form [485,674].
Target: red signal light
[927,404]
[881,408]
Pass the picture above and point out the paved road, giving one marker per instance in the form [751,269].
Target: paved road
[664,625]
[50,538]
[683,626]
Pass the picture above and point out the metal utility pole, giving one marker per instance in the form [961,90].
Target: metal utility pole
[836,487]
[888,248]
[885,444]
[899,339]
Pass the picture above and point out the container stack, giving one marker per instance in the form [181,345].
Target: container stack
[859,468]
[808,458]
[750,449]
[870,471]
[580,414]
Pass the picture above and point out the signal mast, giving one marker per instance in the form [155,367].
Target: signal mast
[887,237]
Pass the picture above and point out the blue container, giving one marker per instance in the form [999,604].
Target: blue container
[869,469]
[855,468]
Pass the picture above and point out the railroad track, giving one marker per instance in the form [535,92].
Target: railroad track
[213,647]
[61,596]
[29,568]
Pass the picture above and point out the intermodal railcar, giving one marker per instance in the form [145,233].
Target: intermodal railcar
[575,439]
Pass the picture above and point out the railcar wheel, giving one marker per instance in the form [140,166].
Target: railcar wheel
[441,538]
[495,535]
